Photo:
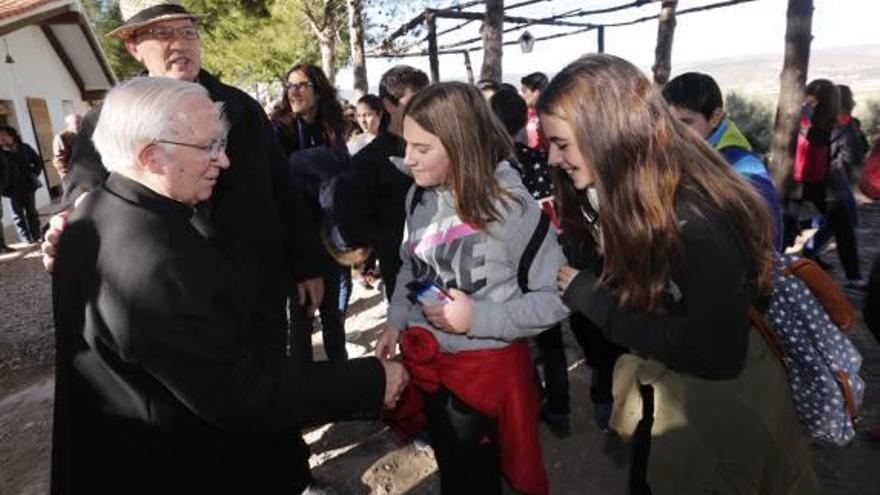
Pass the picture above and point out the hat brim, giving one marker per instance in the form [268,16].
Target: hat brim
[125,31]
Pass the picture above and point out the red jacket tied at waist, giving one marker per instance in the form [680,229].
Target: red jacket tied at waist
[496,382]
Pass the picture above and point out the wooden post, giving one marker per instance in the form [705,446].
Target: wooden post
[798,37]
[492,34]
[433,56]
[356,40]
[600,36]
[663,53]
[468,66]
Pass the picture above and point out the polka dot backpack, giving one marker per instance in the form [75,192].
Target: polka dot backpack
[804,326]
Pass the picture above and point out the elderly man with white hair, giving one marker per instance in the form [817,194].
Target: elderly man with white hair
[162,384]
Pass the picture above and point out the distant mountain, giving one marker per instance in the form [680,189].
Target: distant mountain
[758,76]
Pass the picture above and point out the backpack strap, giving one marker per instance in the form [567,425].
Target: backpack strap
[528,256]
[759,321]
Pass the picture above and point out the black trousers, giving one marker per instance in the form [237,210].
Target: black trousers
[839,219]
[599,353]
[465,445]
[337,289]
[641,445]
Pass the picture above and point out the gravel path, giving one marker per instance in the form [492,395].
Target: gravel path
[361,458]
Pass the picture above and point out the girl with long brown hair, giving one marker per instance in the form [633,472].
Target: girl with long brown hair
[675,249]
[311,129]
[469,222]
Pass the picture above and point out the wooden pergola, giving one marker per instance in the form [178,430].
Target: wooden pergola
[571,19]
[798,35]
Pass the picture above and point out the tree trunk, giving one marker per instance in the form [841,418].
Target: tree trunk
[328,41]
[493,26]
[798,36]
[328,54]
[665,32]
[356,35]
[468,67]
[433,57]
[325,30]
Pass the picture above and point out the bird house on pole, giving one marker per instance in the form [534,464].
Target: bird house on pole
[526,42]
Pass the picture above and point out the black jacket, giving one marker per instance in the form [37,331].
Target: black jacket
[702,327]
[871,310]
[371,198]
[23,166]
[162,384]
[250,217]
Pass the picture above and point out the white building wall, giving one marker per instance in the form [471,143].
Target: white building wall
[36,73]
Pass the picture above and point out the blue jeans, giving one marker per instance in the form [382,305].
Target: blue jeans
[337,290]
[27,220]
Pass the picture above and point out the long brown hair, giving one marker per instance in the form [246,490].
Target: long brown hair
[825,112]
[474,140]
[329,114]
[643,160]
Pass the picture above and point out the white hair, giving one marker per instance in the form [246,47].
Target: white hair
[139,111]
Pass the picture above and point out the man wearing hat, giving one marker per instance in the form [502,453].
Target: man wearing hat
[251,217]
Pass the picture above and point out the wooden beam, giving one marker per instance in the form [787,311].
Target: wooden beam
[493,40]
[478,16]
[798,38]
[665,34]
[467,65]
[94,94]
[449,49]
[96,49]
[583,12]
[65,18]
[607,25]
[385,45]
[433,59]
[33,20]
[65,60]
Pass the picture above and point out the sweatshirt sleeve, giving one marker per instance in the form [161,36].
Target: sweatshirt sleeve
[524,315]
[399,306]
[706,334]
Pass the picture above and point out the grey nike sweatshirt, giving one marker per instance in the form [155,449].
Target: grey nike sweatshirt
[439,246]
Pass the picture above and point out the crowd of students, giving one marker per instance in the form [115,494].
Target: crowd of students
[669,223]
[640,214]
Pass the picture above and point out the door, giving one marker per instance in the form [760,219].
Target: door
[43,131]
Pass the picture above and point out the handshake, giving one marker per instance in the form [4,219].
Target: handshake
[396,379]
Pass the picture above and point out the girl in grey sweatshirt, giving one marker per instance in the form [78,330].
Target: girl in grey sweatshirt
[468,223]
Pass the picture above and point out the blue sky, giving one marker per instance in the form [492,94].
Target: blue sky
[748,29]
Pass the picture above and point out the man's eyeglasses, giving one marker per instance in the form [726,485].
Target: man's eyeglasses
[214,148]
[297,86]
[163,33]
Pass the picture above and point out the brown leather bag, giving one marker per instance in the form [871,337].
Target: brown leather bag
[826,291]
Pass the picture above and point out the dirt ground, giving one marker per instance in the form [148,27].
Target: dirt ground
[363,457]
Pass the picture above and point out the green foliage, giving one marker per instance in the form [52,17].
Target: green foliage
[104,17]
[871,117]
[257,40]
[248,41]
[753,118]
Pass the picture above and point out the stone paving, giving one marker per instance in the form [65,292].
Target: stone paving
[363,457]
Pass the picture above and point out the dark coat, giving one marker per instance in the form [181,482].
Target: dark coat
[251,217]
[871,309]
[24,166]
[162,384]
[313,168]
[371,200]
